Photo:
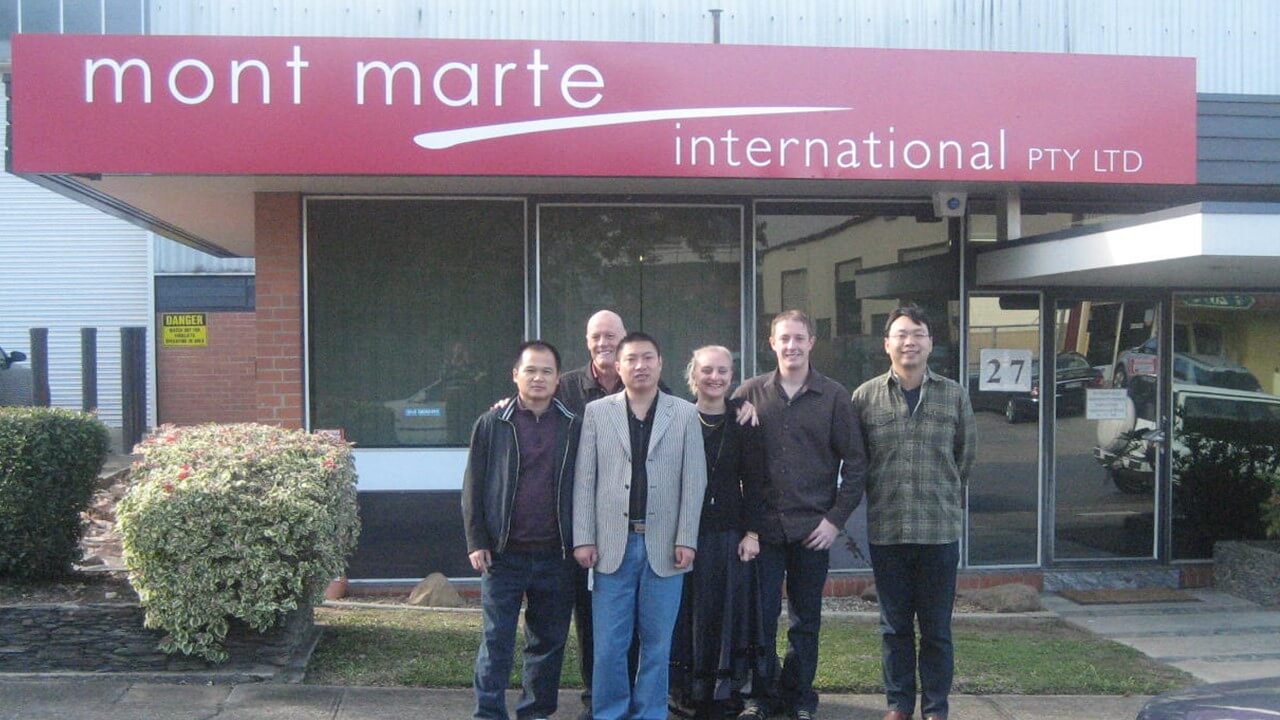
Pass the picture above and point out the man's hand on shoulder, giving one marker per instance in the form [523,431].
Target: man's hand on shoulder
[586,555]
[684,557]
[747,414]
[481,560]
[823,536]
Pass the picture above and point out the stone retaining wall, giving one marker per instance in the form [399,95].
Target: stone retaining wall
[1248,569]
[102,638]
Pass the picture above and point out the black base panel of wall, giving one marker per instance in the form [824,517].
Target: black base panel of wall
[410,534]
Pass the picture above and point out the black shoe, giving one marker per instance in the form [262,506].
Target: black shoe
[804,715]
[753,711]
[674,707]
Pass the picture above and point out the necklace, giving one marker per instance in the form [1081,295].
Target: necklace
[710,425]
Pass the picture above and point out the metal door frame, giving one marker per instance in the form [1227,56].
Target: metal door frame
[1161,541]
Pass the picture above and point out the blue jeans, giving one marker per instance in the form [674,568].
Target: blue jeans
[805,573]
[916,582]
[547,582]
[622,600]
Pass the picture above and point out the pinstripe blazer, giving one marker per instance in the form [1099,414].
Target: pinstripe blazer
[677,478]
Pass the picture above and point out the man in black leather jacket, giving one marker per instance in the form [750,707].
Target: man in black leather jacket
[517,508]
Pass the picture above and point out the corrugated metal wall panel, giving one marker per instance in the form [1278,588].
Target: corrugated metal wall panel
[1212,33]
[1260,54]
[1149,27]
[1235,41]
[65,267]
[170,257]
[1091,26]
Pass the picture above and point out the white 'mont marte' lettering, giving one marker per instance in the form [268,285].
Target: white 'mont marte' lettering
[238,68]
[183,66]
[472,96]
[178,95]
[91,71]
[388,77]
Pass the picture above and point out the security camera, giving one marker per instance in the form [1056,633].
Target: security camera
[949,204]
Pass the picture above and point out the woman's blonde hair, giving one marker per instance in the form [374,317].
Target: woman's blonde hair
[693,364]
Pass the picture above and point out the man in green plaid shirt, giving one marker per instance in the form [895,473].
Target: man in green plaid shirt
[919,433]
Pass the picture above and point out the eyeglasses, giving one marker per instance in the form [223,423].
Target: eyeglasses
[904,336]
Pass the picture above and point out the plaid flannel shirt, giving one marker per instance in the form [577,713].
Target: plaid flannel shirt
[918,463]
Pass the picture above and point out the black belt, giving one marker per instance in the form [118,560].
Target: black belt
[637,527]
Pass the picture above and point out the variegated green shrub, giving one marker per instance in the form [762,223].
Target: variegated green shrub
[234,521]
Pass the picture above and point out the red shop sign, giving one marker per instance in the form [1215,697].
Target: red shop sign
[358,106]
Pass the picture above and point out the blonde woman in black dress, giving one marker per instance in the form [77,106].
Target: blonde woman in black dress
[714,656]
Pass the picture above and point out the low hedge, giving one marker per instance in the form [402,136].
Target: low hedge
[227,522]
[49,463]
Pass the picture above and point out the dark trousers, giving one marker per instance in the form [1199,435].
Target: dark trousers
[916,582]
[805,573]
[582,623]
[546,581]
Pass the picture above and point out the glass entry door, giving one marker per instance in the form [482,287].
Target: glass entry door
[1109,432]
[1003,365]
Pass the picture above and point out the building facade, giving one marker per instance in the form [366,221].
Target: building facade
[423,185]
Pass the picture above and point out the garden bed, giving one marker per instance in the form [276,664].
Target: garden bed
[1249,569]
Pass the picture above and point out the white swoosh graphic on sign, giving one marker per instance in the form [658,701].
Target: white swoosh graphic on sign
[443,139]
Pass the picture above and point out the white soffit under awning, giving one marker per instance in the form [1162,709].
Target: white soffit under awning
[1202,245]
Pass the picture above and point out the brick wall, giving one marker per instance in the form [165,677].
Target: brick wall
[278,249]
[213,383]
[855,584]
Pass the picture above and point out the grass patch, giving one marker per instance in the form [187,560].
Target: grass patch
[394,647]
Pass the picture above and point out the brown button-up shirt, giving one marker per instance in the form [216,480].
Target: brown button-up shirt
[809,440]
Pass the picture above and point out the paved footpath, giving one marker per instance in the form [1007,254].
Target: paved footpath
[1218,638]
[80,699]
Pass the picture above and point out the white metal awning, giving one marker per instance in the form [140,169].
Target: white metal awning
[1202,245]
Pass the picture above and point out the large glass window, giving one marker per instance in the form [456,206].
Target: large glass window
[415,307]
[1226,417]
[982,227]
[859,262]
[1005,389]
[1106,452]
[672,271]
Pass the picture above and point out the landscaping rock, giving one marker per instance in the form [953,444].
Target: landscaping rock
[870,594]
[1011,597]
[435,591]
[1248,569]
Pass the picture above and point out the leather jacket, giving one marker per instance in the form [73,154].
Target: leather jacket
[493,469]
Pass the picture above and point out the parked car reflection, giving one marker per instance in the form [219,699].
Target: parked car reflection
[1210,369]
[422,418]
[1074,376]
[15,381]
[1127,448]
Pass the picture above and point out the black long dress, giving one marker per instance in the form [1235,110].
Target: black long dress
[715,655]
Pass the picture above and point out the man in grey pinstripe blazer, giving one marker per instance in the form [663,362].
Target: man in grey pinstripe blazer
[641,473]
